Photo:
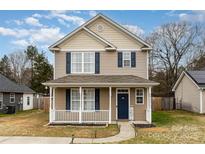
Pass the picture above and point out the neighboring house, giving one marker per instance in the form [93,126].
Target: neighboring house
[100,75]
[12,94]
[189,91]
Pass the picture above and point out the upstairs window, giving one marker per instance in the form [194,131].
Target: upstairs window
[12,97]
[126,59]
[82,62]
[1,100]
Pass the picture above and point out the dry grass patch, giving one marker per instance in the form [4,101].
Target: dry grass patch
[173,127]
[31,123]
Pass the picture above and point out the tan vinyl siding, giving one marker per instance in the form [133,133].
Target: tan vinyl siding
[108,60]
[114,35]
[108,64]
[139,109]
[60,64]
[82,40]
[188,94]
[60,97]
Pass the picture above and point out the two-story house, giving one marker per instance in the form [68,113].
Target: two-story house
[100,75]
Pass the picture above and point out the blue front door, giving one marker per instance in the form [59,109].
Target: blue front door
[122,106]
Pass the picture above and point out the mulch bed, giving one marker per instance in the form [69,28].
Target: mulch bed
[144,125]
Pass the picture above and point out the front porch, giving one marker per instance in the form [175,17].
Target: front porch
[107,110]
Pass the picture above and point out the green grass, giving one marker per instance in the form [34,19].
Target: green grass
[172,127]
[32,123]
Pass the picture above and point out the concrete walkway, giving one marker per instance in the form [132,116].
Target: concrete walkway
[34,140]
[126,132]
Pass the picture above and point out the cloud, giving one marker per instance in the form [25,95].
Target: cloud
[18,33]
[46,35]
[24,37]
[92,13]
[18,22]
[195,16]
[76,20]
[33,22]
[7,32]
[21,43]
[62,22]
[135,29]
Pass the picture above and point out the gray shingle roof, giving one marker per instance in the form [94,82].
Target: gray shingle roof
[7,85]
[197,76]
[102,79]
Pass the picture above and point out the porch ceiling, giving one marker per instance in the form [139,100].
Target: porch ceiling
[100,81]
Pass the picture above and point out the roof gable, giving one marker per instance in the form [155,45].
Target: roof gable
[55,45]
[197,78]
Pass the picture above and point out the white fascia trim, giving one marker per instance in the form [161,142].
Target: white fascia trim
[91,20]
[87,50]
[201,100]
[100,84]
[68,50]
[180,78]
[98,37]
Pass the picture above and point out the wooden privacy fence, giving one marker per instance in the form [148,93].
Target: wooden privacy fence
[162,103]
[41,103]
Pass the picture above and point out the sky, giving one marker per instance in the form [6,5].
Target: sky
[18,29]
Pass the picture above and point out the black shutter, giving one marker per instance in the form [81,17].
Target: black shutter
[133,59]
[97,99]
[97,63]
[67,99]
[119,59]
[68,63]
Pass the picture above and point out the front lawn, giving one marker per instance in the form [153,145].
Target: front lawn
[31,123]
[173,127]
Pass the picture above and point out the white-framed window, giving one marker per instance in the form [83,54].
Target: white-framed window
[139,96]
[12,97]
[126,59]
[75,99]
[88,100]
[1,100]
[28,100]
[82,62]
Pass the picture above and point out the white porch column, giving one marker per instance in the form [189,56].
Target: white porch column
[110,105]
[54,104]
[149,105]
[50,106]
[80,113]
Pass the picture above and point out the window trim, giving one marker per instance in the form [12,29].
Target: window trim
[83,63]
[13,97]
[28,100]
[72,100]
[82,100]
[139,96]
[2,100]
[130,59]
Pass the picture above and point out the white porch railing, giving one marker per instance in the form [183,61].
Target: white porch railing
[67,116]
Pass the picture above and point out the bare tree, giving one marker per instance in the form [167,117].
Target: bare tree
[173,44]
[19,65]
